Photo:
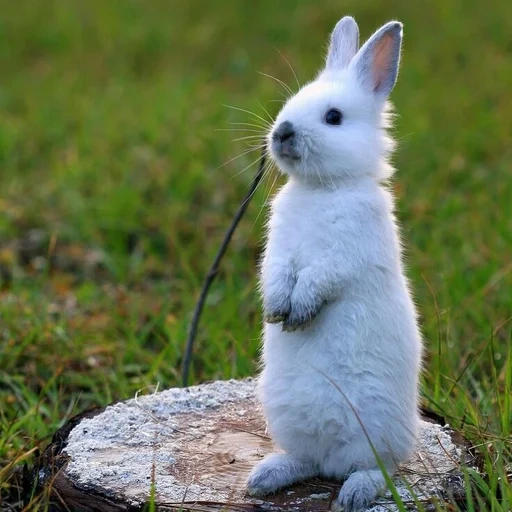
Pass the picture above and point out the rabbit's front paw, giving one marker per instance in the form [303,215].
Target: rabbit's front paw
[277,287]
[277,294]
[305,304]
[300,316]
[276,308]
[274,318]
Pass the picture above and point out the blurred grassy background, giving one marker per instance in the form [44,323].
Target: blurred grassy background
[112,202]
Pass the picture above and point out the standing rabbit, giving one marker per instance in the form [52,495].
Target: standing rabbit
[342,347]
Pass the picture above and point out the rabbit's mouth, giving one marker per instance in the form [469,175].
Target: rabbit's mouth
[286,150]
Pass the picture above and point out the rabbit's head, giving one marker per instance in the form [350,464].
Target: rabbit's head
[335,127]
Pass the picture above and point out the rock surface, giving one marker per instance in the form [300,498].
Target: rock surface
[195,446]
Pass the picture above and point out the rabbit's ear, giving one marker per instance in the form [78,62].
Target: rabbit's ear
[376,63]
[344,44]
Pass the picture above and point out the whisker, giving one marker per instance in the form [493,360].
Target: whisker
[267,192]
[247,130]
[265,175]
[286,87]
[265,122]
[403,137]
[259,147]
[257,187]
[260,136]
[248,137]
[246,152]
[248,124]
[256,144]
[290,66]
[268,170]
[266,111]
[245,168]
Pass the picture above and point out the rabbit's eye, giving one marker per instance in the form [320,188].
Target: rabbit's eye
[333,116]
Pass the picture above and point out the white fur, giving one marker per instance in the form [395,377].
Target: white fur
[332,270]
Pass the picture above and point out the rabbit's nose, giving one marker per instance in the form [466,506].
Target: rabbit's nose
[284,131]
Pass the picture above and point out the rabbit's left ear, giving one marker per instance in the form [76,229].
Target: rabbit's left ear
[344,44]
[376,63]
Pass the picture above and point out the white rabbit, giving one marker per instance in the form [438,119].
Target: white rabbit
[342,347]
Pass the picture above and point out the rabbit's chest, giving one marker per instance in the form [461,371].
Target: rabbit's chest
[307,228]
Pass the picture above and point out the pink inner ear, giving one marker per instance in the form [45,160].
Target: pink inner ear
[381,57]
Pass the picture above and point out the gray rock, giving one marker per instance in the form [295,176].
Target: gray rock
[198,444]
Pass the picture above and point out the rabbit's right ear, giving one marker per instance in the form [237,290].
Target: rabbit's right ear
[344,44]
[376,64]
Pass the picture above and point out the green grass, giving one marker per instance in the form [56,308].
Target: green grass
[112,202]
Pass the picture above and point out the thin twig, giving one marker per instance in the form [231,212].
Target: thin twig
[214,269]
